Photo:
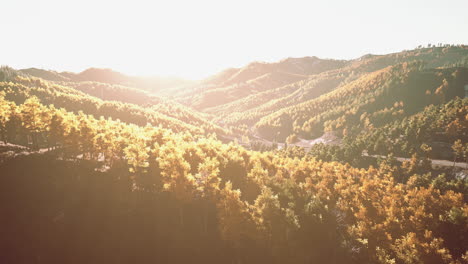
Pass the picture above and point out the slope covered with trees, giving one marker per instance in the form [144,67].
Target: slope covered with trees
[245,103]
[256,77]
[152,84]
[377,98]
[130,105]
[97,168]
[129,193]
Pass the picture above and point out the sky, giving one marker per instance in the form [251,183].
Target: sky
[196,38]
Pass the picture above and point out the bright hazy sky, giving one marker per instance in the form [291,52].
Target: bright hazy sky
[196,38]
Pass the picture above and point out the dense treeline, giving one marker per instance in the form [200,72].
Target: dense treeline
[436,128]
[256,77]
[239,101]
[118,192]
[374,99]
[253,107]
[168,115]
[237,87]
[112,92]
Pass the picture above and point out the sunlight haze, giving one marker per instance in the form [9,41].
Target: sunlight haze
[194,39]
[249,132]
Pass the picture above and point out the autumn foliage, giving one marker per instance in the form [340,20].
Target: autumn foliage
[254,207]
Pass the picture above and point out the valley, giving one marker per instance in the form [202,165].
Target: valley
[303,160]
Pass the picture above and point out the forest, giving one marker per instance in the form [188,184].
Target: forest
[101,167]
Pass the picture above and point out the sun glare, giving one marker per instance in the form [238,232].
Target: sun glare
[241,131]
[194,39]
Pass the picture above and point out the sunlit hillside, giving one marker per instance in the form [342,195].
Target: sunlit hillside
[234,132]
[304,160]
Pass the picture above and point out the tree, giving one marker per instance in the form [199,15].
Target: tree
[458,150]
[176,177]
[58,127]
[87,134]
[236,222]
[6,110]
[137,154]
[34,117]
[275,223]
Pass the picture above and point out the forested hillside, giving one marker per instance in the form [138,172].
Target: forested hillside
[149,192]
[245,101]
[383,95]
[305,160]
[256,77]
[102,99]
[153,84]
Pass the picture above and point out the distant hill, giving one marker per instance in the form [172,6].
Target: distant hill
[384,95]
[47,74]
[246,102]
[152,84]
[114,101]
[234,84]
[274,99]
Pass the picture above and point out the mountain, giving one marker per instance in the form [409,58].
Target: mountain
[127,104]
[242,96]
[251,108]
[46,74]
[305,160]
[110,76]
[234,84]
[273,99]
[386,94]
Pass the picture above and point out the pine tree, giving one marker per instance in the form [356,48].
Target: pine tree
[34,119]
